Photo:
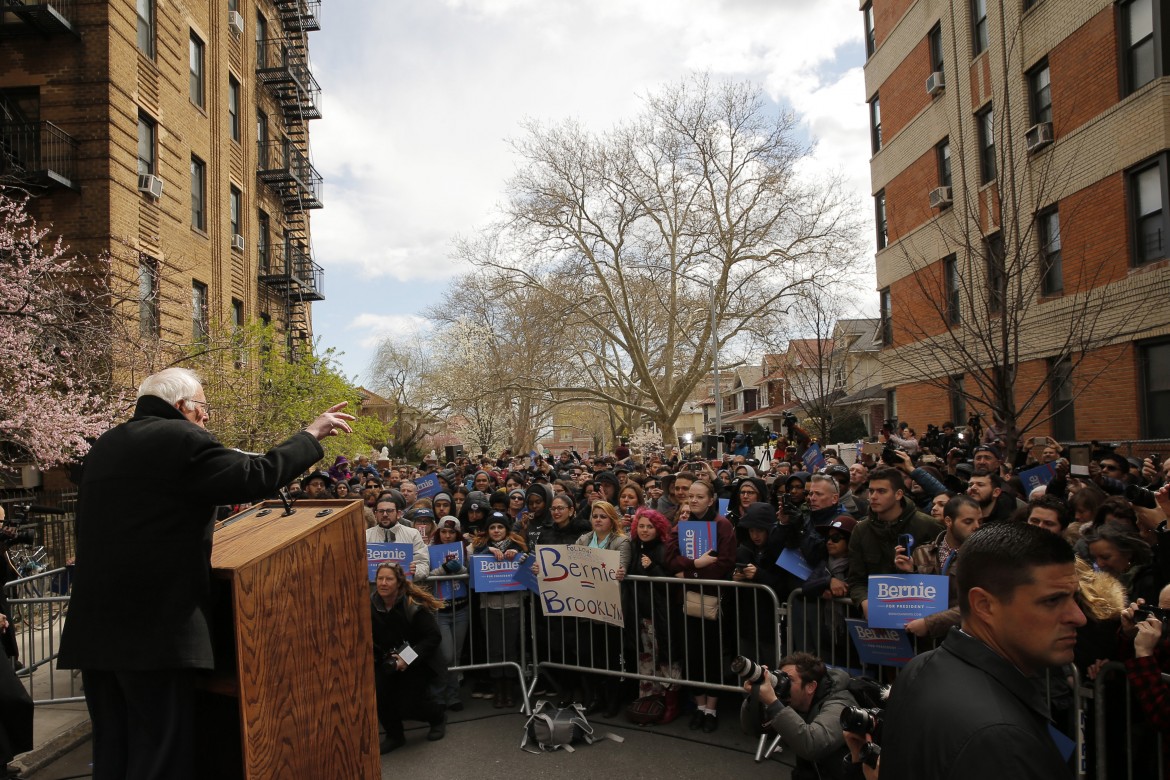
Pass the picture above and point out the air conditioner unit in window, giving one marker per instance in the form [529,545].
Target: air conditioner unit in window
[1038,136]
[151,185]
[935,83]
[236,22]
[940,197]
[238,242]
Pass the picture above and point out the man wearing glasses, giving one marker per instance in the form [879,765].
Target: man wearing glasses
[388,529]
[139,622]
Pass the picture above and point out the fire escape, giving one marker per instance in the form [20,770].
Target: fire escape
[34,152]
[282,64]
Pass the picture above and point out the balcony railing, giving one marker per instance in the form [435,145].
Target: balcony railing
[283,65]
[44,16]
[290,269]
[290,174]
[38,152]
[299,15]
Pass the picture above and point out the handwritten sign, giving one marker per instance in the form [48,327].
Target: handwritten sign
[390,552]
[491,576]
[428,486]
[695,538]
[448,589]
[579,581]
[896,599]
[879,646]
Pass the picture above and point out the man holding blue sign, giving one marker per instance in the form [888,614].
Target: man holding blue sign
[974,708]
[389,529]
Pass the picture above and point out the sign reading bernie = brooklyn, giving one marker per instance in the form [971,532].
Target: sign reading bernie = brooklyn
[578,581]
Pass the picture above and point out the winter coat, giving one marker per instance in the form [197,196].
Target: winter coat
[413,624]
[815,737]
[612,542]
[725,549]
[871,546]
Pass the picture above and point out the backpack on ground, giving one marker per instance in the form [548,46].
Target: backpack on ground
[552,728]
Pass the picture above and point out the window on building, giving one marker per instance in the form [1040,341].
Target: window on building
[198,193]
[1140,25]
[1064,425]
[199,312]
[951,280]
[978,26]
[957,399]
[993,251]
[262,140]
[146,27]
[891,405]
[879,207]
[262,227]
[943,153]
[148,294]
[870,37]
[234,199]
[234,108]
[1155,367]
[147,140]
[1051,269]
[986,121]
[875,124]
[1148,194]
[261,40]
[936,49]
[884,314]
[196,67]
[1040,93]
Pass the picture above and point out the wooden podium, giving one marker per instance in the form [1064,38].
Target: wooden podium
[292,694]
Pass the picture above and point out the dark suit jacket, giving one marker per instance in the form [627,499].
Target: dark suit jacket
[147,499]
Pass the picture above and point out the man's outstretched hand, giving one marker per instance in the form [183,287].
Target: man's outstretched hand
[331,423]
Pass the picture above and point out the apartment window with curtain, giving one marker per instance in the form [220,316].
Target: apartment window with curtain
[234,199]
[1040,93]
[943,154]
[148,305]
[978,26]
[198,194]
[1148,197]
[870,36]
[262,140]
[884,321]
[199,312]
[262,251]
[1062,400]
[1141,41]
[936,49]
[879,207]
[985,120]
[147,144]
[1051,267]
[954,294]
[195,57]
[234,108]
[875,124]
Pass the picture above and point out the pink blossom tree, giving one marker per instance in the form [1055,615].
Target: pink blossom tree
[54,349]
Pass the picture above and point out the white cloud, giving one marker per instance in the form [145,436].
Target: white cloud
[376,327]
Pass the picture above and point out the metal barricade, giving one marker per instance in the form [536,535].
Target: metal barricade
[658,642]
[39,605]
[483,631]
[1126,745]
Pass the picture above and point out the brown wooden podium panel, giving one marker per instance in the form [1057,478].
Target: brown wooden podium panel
[293,649]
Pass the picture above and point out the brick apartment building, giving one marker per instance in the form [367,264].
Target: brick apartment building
[173,136]
[1021,183]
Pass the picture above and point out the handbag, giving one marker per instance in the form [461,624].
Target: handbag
[701,605]
[646,710]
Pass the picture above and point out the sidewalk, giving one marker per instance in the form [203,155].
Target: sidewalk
[57,728]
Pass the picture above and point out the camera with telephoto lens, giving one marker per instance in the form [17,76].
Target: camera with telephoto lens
[13,533]
[859,720]
[1139,496]
[751,672]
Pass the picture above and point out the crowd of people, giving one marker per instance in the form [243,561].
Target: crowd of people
[909,508]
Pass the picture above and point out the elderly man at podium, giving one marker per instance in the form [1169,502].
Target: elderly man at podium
[138,617]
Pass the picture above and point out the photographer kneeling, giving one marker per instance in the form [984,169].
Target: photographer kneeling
[808,714]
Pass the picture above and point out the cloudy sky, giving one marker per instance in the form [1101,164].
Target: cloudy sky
[421,97]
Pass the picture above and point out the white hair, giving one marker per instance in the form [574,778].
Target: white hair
[1038,491]
[171,384]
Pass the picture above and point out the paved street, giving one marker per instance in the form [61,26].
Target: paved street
[491,740]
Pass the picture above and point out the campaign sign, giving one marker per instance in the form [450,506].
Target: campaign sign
[793,561]
[396,552]
[812,458]
[428,486]
[580,581]
[724,505]
[491,576]
[449,589]
[879,646]
[896,599]
[695,538]
[1035,477]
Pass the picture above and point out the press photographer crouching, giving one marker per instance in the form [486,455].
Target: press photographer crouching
[803,704]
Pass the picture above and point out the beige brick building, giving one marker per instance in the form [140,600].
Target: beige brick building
[173,136]
[1021,184]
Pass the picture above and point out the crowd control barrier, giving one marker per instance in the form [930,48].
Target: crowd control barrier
[1126,747]
[39,606]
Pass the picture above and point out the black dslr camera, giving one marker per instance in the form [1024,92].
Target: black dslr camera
[859,720]
[749,671]
[17,529]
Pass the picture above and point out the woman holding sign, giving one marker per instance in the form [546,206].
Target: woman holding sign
[447,560]
[701,603]
[599,643]
[501,611]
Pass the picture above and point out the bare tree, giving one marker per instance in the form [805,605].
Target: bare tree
[629,231]
[397,373]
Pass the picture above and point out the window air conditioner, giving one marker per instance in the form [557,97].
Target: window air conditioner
[236,22]
[940,197]
[238,242]
[1038,136]
[151,185]
[935,83]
